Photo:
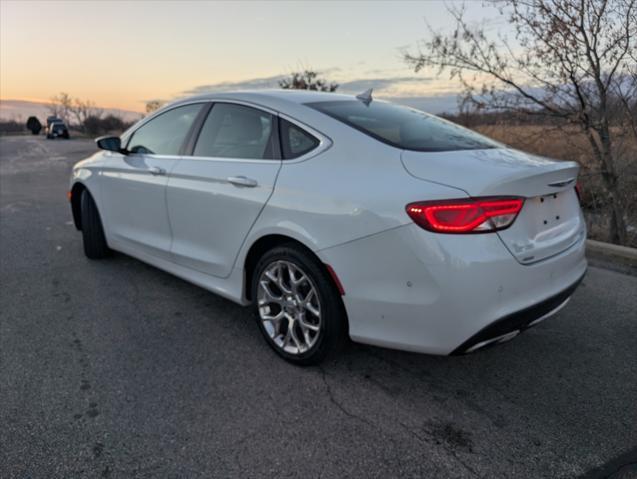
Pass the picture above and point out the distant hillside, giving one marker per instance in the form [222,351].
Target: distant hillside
[20,110]
[435,104]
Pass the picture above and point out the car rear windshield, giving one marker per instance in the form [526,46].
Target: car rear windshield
[404,127]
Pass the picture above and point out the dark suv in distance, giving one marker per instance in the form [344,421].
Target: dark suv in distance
[57,129]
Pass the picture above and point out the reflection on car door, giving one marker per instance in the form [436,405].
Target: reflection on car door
[133,186]
[215,195]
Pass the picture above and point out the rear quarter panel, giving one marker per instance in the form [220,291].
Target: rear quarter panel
[355,189]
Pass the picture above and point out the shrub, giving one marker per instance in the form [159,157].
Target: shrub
[11,126]
[34,125]
[110,124]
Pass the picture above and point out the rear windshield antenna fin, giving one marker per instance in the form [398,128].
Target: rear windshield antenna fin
[365,97]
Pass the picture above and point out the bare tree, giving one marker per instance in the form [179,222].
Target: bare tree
[68,108]
[307,80]
[572,61]
[53,107]
[81,110]
[152,105]
[60,106]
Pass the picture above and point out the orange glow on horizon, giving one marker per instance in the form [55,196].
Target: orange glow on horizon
[120,54]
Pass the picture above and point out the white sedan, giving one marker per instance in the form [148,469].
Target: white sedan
[337,216]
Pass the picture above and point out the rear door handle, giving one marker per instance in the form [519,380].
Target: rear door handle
[242,181]
[156,171]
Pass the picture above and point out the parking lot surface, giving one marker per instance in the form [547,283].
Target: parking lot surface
[116,369]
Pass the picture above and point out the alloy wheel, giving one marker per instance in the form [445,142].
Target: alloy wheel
[289,307]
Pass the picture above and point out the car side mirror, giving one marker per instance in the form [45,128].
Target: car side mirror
[110,143]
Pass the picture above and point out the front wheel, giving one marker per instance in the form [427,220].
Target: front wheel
[95,246]
[298,308]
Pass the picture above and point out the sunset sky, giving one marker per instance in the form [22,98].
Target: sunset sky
[120,54]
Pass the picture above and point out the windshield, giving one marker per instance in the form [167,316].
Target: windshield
[404,127]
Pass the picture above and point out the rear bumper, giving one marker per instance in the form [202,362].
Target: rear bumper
[410,289]
[510,326]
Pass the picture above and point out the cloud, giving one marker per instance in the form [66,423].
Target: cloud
[357,85]
[251,84]
[407,90]
[379,84]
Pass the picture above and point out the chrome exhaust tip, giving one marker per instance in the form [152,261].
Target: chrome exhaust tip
[497,340]
[549,314]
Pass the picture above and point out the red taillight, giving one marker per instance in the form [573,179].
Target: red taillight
[477,215]
[578,191]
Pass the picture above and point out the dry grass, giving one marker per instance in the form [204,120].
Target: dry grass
[569,143]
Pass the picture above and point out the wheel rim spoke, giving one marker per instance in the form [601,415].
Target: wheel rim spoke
[308,297]
[297,342]
[270,296]
[285,315]
[313,309]
[272,317]
[296,279]
[306,325]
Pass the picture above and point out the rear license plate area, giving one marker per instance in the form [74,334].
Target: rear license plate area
[550,210]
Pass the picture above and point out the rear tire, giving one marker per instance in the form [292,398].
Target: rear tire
[95,246]
[300,335]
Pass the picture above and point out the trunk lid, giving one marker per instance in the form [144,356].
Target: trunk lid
[550,220]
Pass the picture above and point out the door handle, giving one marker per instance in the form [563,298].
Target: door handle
[156,171]
[242,181]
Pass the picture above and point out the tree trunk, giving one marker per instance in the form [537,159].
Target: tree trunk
[617,224]
[618,232]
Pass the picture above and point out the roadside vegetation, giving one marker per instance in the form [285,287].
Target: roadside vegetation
[569,143]
[572,69]
[85,117]
[82,117]
[307,79]
[13,127]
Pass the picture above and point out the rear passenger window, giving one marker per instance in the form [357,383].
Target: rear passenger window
[295,141]
[235,131]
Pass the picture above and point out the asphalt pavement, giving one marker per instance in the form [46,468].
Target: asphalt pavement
[116,369]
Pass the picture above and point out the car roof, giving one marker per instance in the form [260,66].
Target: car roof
[288,102]
[275,99]
[294,96]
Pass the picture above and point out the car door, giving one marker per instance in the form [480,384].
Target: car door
[133,185]
[215,195]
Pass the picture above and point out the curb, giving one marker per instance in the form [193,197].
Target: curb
[620,258]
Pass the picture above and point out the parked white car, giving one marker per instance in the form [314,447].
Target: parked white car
[337,216]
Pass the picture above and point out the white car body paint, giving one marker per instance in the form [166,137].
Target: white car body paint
[133,201]
[405,287]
